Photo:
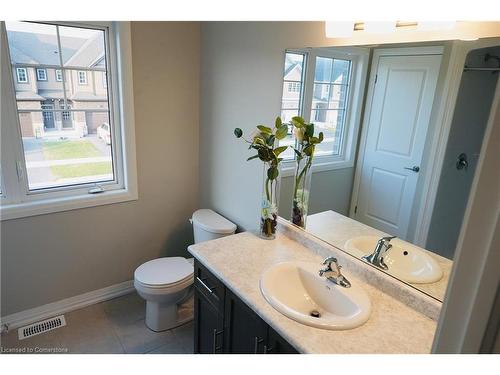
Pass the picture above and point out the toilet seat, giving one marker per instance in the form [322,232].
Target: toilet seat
[165,273]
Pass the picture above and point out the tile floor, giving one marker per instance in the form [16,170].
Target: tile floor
[114,326]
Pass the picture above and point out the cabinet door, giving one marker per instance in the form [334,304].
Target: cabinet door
[277,344]
[245,331]
[208,325]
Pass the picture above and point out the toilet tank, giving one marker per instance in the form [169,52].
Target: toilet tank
[209,225]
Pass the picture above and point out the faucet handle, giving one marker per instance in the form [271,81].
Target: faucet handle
[387,238]
[328,261]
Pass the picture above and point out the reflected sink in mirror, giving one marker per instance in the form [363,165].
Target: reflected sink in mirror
[297,291]
[404,261]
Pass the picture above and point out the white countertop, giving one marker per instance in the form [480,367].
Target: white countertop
[239,260]
[336,229]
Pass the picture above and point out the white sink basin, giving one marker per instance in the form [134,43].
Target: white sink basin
[405,261]
[296,290]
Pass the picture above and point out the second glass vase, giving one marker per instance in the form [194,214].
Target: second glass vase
[301,191]
[269,207]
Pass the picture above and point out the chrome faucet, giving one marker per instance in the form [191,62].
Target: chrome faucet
[377,257]
[334,275]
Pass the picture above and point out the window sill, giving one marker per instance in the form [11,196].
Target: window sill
[288,168]
[48,206]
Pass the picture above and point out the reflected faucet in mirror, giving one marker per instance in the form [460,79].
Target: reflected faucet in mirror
[377,257]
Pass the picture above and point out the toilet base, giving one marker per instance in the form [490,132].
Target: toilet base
[165,316]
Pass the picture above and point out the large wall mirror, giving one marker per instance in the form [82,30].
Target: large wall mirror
[403,127]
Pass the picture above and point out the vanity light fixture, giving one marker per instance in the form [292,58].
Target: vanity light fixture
[344,29]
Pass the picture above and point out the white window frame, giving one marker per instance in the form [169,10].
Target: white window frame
[359,66]
[19,80]
[38,71]
[17,200]
[58,78]
[80,81]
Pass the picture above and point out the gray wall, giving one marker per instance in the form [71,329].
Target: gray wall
[51,257]
[330,190]
[241,86]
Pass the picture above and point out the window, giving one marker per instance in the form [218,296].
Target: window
[293,86]
[55,160]
[291,101]
[58,73]
[329,100]
[41,75]
[22,75]
[330,97]
[82,78]
[104,80]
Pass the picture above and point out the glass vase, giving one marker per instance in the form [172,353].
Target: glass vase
[301,189]
[269,207]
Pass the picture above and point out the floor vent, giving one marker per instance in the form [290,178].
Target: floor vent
[41,327]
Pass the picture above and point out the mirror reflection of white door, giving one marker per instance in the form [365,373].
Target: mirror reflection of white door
[396,128]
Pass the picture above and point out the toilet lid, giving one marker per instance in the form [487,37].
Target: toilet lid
[162,271]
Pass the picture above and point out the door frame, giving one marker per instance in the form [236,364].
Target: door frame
[377,54]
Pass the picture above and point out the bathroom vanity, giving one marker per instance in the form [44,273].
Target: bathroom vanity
[233,316]
[225,324]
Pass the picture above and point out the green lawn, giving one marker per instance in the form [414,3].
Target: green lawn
[81,170]
[58,150]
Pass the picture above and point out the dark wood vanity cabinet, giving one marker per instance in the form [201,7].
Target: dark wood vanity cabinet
[223,323]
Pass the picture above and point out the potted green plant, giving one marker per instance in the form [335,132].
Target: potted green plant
[305,143]
[263,141]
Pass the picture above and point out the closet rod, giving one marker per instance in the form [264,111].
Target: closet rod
[482,69]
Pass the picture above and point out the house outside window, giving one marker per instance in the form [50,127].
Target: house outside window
[41,75]
[22,75]
[57,161]
[82,77]
[58,73]
[329,94]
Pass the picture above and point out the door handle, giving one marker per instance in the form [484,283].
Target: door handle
[256,345]
[462,162]
[210,290]
[215,334]
[415,168]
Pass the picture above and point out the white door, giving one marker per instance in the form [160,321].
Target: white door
[398,119]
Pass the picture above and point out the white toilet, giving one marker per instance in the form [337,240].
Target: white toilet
[165,283]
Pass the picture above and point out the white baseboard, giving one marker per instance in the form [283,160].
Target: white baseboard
[49,310]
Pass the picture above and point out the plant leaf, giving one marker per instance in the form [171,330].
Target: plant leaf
[309,150]
[271,139]
[279,150]
[238,132]
[264,129]
[278,122]
[264,154]
[309,130]
[321,137]
[282,131]
[298,121]
[252,157]
[272,173]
